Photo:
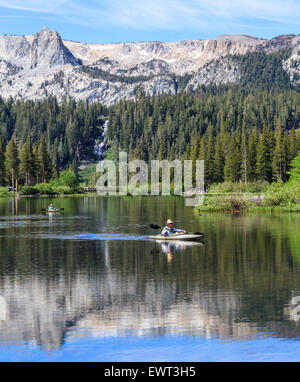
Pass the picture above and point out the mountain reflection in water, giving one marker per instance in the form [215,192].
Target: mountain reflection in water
[241,283]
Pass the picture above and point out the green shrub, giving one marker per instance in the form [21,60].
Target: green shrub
[63,190]
[257,187]
[226,187]
[93,179]
[66,181]
[112,153]
[29,190]
[87,174]
[4,192]
[237,203]
[68,178]
[225,203]
[280,194]
[45,188]
[295,170]
[79,190]
[66,190]
[283,195]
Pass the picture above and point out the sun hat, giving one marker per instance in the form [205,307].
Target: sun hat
[169,221]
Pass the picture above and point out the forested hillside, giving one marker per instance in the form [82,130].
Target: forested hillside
[39,138]
[241,135]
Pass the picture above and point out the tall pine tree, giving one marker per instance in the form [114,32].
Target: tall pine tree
[12,161]
[2,162]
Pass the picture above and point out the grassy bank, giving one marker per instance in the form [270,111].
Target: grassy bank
[261,197]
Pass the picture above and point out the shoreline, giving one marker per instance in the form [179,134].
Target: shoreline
[248,210]
[217,207]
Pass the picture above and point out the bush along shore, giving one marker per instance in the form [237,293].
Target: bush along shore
[258,197]
[65,184]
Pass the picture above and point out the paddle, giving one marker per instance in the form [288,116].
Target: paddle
[156,226]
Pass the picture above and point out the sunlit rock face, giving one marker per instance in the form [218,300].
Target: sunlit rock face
[40,65]
[159,57]
[45,49]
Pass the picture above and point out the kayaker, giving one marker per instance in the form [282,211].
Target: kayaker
[51,207]
[170,230]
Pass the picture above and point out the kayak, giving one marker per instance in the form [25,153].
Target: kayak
[53,211]
[182,237]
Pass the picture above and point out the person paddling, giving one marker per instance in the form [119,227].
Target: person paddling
[170,230]
[51,208]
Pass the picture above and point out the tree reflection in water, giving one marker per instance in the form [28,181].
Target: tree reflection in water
[243,282]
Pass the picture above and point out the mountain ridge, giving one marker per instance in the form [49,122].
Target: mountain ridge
[37,66]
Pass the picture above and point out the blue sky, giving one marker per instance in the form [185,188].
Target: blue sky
[105,21]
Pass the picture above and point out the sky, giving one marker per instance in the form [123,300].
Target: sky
[111,21]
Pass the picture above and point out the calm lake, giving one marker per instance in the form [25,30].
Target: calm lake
[88,285]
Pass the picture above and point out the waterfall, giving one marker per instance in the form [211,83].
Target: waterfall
[100,148]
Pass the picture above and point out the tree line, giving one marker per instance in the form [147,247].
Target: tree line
[242,136]
[29,164]
[40,138]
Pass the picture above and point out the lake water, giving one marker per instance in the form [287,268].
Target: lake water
[88,284]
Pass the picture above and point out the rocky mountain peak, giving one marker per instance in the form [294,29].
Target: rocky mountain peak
[48,50]
[40,65]
[44,49]
[46,30]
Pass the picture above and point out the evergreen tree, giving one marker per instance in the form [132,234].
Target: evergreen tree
[11,161]
[164,126]
[244,157]
[232,169]
[2,162]
[209,158]
[43,160]
[292,144]
[286,157]
[278,156]
[219,160]
[74,167]
[263,158]
[27,162]
[36,171]
[252,146]
[55,165]
[298,139]
[201,151]
[295,170]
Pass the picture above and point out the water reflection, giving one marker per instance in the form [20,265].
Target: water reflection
[109,295]
[2,309]
[292,310]
[242,282]
[177,246]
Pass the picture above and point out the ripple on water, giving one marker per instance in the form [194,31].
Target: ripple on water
[91,236]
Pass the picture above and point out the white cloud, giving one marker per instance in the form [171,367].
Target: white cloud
[164,14]
[33,5]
